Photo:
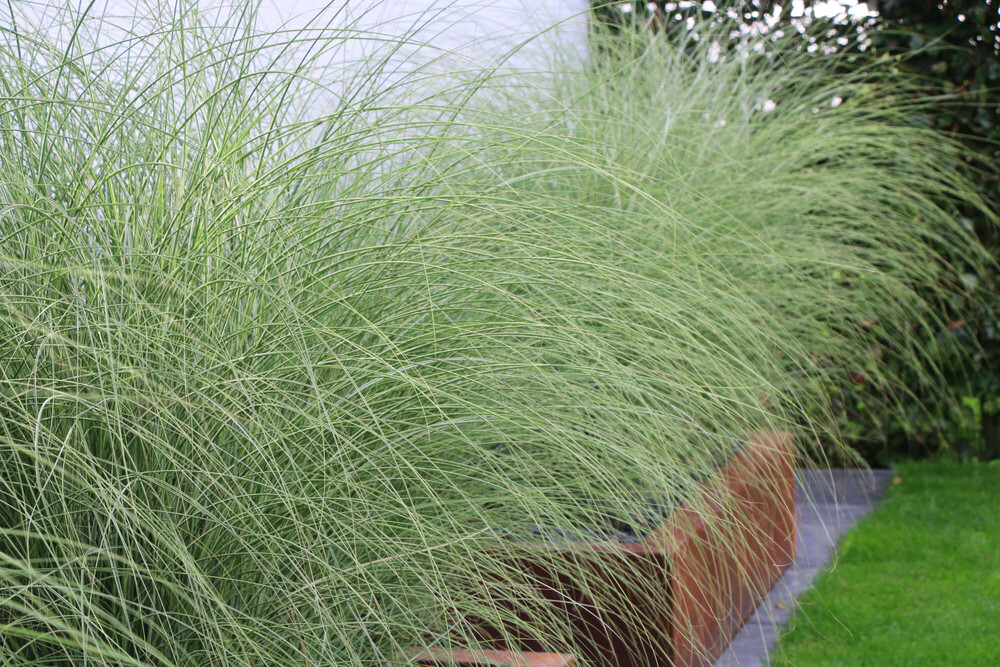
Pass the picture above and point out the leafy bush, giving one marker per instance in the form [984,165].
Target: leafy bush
[952,50]
[275,384]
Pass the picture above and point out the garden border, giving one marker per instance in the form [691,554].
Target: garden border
[690,584]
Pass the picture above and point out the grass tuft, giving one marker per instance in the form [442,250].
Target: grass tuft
[288,349]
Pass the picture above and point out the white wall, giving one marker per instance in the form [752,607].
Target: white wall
[371,41]
[522,33]
[484,31]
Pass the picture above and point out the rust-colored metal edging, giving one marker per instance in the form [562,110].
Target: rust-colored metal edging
[693,581]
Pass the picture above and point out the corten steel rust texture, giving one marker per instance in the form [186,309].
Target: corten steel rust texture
[729,547]
[678,596]
[628,625]
[461,658]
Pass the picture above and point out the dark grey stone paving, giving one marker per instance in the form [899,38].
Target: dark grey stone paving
[827,503]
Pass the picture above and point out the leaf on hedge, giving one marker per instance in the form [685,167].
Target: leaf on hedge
[970,280]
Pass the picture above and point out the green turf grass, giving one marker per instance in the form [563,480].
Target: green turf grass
[916,583]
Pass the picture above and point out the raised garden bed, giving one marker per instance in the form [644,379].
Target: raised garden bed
[676,594]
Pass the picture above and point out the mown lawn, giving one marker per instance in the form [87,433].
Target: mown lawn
[916,583]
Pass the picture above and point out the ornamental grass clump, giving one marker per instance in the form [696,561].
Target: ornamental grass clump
[287,354]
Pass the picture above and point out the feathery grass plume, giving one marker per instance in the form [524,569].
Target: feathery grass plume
[277,384]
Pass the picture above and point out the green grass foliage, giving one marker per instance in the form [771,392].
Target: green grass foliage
[275,382]
[917,583]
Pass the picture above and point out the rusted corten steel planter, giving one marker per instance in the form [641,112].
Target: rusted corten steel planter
[462,658]
[678,595]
